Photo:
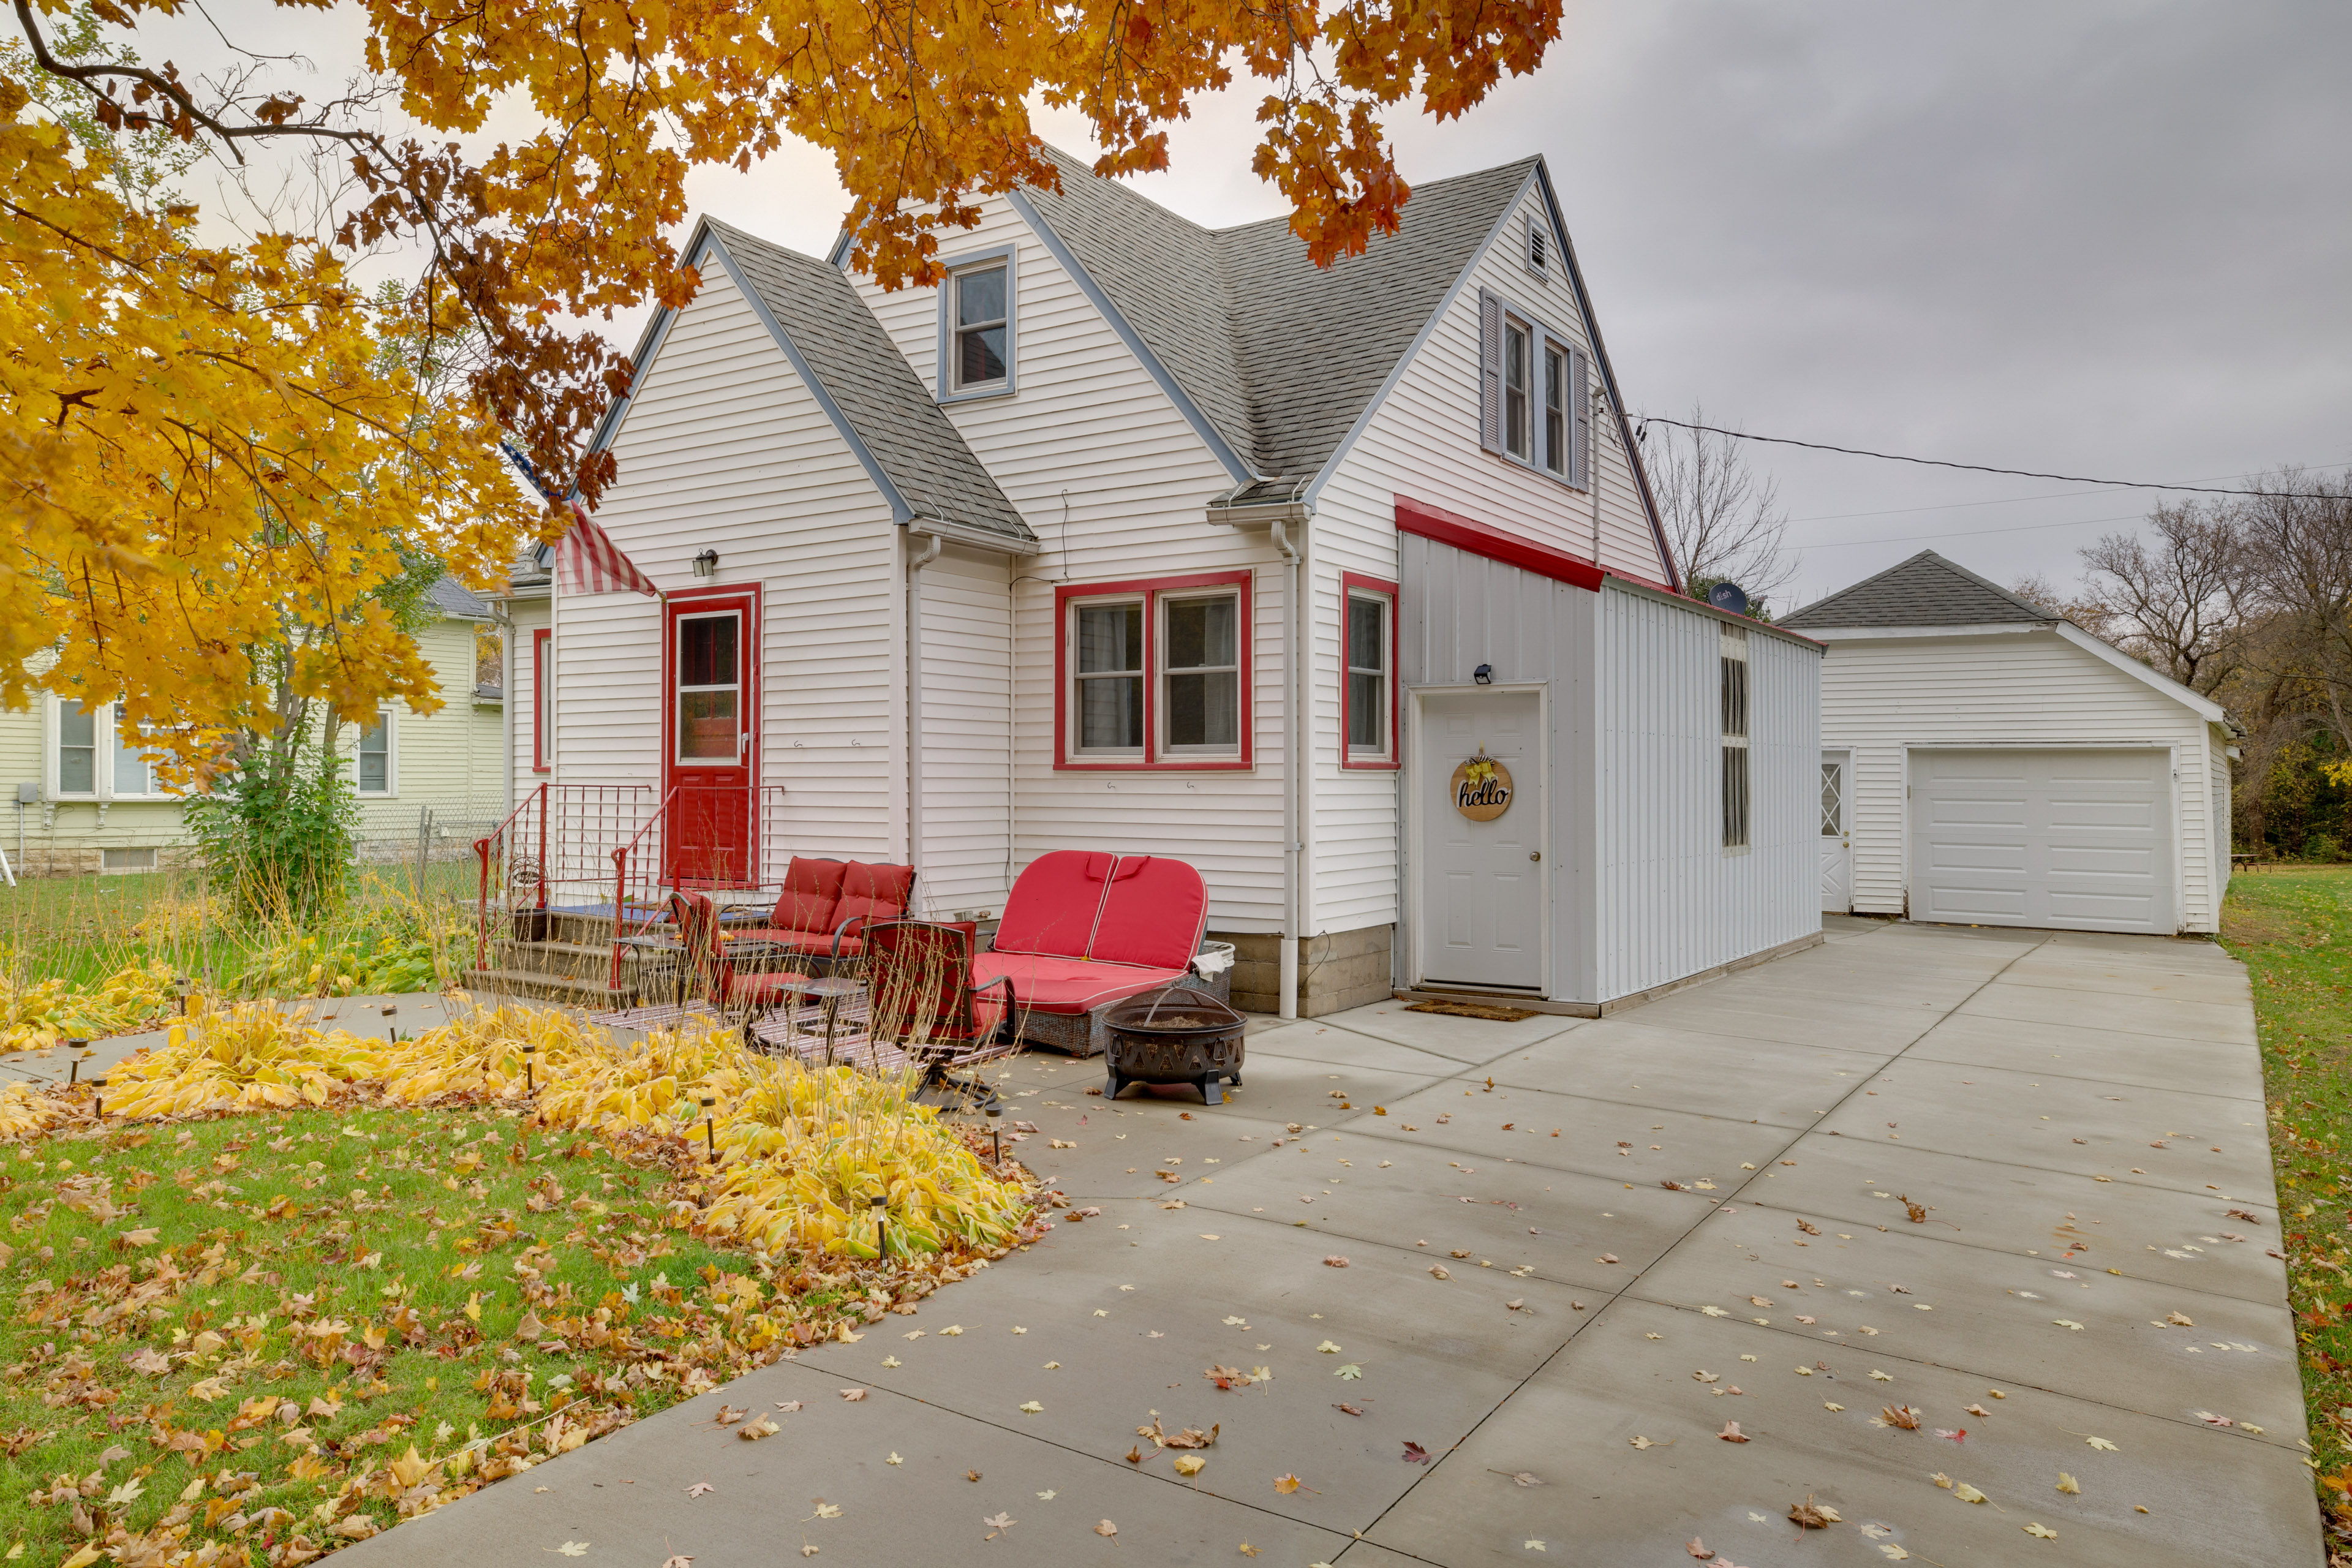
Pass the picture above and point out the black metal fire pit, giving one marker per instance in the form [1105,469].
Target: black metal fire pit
[1181,1035]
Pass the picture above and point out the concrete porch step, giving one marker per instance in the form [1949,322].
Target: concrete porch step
[538,987]
[578,960]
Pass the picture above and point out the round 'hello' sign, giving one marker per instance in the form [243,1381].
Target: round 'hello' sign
[1481,788]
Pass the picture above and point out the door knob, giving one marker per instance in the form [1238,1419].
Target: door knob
[1536,856]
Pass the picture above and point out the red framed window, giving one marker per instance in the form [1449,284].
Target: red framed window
[1153,673]
[1368,675]
[541,708]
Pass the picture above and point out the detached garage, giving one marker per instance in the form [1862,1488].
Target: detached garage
[1987,763]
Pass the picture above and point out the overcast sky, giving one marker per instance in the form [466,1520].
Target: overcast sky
[2097,238]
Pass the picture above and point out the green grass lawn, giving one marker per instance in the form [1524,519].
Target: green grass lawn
[2293,930]
[285,1332]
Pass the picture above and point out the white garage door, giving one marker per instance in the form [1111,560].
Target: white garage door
[2074,840]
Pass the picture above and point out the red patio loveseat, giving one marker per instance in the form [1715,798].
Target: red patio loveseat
[1083,930]
[825,904]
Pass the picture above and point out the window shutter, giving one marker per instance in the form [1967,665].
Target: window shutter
[1580,375]
[1490,371]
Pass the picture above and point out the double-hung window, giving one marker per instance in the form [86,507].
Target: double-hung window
[543,705]
[977,306]
[78,729]
[1370,702]
[134,770]
[1732,682]
[1534,406]
[1155,674]
[371,757]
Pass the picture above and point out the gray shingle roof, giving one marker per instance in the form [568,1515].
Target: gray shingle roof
[1279,354]
[1925,591]
[452,597]
[907,434]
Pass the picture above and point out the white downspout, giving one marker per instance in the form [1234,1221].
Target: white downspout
[1296,769]
[915,564]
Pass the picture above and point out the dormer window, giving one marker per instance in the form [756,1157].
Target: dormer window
[1538,246]
[976,327]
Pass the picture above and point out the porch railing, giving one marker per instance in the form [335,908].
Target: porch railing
[552,852]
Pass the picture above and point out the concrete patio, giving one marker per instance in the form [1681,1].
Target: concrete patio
[1648,1227]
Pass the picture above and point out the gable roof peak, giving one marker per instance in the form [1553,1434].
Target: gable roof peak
[1926,590]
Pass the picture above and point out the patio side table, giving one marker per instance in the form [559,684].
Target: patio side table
[829,992]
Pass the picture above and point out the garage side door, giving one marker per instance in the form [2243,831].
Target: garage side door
[2073,840]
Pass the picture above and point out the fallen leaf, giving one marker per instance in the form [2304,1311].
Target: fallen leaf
[1030,1407]
[1000,1522]
[1978,1410]
[2067,1324]
[1640,1442]
[1525,1478]
[788,1406]
[1878,1377]
[1046,1496]
[1697,1548]
[824,1509]
[1901,1415]
[1437,1271]
[571,1548]
[2041,1531]
[1414,1454]
[1335,1262]
[1190,1464]
[1894,1551]
[1328,1348]
[759,1426]
[2069,1485]
[1287,1485]
[2100,1444]
[146,1358]
[1967,1493]
[1732,1433]
[1105,1528]
[1351,1371]
[1809,1515]
[701,1489]
[853,1395]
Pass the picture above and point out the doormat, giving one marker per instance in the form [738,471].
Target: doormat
[1472,1010]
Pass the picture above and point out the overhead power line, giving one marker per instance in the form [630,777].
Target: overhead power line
[1985,468]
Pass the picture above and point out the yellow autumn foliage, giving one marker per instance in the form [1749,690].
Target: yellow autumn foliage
[249,1057]
[482,1053]
[658,1085]
[25,1110]
[36,1017]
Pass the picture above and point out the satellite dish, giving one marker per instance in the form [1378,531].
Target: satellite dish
[1728,597]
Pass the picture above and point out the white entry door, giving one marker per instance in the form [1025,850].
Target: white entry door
[1481,883]
[1837,839]
[2073,840]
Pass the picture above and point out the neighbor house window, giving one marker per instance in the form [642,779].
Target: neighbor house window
[1155,674]
[76,749]
[1734,685]
[976,326]
[371,757]
[542,707]
[133,773]
[1371,700]
[1556,416]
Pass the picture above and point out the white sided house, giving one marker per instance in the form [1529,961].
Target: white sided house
[1343,586]
[1988,762]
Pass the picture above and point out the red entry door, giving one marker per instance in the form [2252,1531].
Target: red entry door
[710,664]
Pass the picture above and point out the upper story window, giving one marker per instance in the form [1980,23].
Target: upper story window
[1733,689]
[1370,695]
[1534,404]
[1155,674]
[976,326]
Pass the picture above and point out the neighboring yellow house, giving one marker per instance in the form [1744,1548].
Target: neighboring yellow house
[86,800]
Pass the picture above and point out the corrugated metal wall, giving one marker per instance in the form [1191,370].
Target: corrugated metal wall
[1670,899]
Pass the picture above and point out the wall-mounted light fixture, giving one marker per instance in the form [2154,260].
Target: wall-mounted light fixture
[1484,675]
[707,563]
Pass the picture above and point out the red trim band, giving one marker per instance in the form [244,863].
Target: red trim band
[539,638]
[1433,523]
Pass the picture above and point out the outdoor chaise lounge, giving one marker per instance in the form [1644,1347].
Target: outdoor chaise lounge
[1083,930]
[826,904]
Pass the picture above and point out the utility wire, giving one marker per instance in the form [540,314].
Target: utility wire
[1982,469]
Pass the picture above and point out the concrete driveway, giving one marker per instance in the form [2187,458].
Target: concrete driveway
[1578,1254]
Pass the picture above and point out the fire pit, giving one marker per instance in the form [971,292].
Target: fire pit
[1181,1035]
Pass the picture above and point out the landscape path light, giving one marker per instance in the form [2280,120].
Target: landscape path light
[530,1081]
[996,1131]
[76,1049]
[710,1127]
[880,1202]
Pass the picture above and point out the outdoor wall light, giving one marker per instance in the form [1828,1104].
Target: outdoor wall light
[1484,675]
[707,563]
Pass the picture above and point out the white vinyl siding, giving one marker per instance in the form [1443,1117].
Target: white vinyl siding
[966,679]
[1883,697]
[723,447]
[1113,481]
[1423,441]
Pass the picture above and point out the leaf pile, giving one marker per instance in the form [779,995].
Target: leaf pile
[244,1056]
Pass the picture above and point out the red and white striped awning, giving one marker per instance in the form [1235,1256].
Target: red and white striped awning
[592,563]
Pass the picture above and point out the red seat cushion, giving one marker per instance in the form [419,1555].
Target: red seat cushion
[1044,984]
[812,888]
[872,893]
[1054,903]
[1153,914]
